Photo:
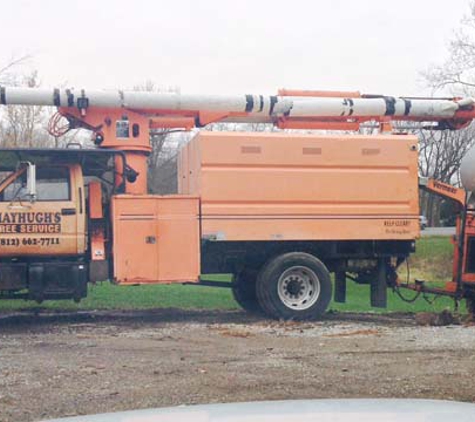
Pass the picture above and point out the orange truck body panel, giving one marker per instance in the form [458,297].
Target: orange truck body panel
[96,222]
[156,239]
[95,200]
[280,186]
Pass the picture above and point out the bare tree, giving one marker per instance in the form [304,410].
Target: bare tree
[458,71]
[24,126]
[440,155]
[162,169]
[7,71]
[162,162]
[441,152]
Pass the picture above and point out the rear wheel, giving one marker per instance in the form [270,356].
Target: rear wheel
[294,285]
[244,290]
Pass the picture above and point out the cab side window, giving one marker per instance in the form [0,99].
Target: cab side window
[16,189]
[52,184]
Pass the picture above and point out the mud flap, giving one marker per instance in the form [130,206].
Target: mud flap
[340,286]
[379,287]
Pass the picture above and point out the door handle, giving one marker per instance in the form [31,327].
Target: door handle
[68,211]
[151,240]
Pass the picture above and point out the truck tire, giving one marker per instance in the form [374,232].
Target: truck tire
[244,290]
[470,301]
[294,286]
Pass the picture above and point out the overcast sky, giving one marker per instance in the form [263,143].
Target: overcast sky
[239,46]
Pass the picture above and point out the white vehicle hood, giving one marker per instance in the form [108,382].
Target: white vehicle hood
[351,410]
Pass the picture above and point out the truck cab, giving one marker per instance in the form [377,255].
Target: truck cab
[66,220]
[44,225]
[45,215]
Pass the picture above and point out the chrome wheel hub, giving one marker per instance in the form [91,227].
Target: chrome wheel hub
[298,288]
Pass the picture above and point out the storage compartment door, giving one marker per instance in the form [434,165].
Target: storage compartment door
[135,242]
[156,239]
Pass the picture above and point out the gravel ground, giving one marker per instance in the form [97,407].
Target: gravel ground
[61,364]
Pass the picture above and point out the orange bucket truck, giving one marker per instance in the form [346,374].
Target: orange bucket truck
[281,211]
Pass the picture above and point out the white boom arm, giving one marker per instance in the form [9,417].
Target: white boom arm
[257,107]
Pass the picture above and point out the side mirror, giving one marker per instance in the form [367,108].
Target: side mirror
[30,181]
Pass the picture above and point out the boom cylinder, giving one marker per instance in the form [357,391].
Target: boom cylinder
[258,108]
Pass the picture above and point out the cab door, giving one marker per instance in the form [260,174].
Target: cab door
[51,224]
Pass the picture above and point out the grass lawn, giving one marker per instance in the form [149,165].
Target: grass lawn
[431,262]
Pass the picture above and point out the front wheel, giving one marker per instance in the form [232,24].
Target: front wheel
[294,285]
